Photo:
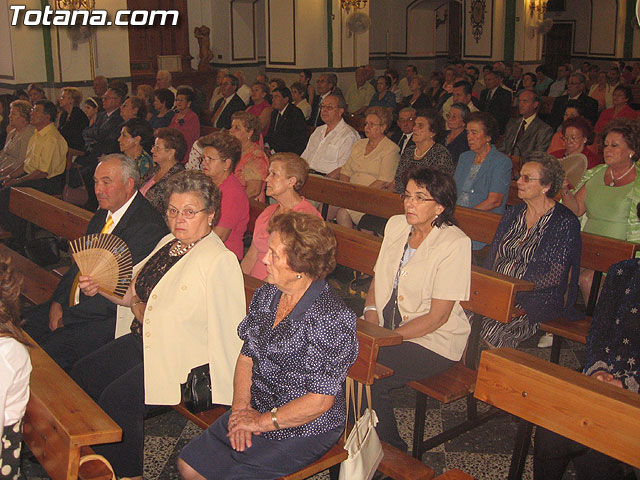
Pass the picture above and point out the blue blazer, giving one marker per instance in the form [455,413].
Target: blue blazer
[494,176]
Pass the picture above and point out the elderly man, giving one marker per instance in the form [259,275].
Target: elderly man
[287,129]
[223,72]
[527,133]
[330,144]
[71,325]
[244,91]
[102,136]
[410,73]
[100,85]
[576,86]
[325,85]
[360,93]
[163,80]
[558,87]
[228,104]
[402,135]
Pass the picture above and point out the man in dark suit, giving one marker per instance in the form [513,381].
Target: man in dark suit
[402,135]
[71,325]
[287,130]
[527,133]
[325,86]
[495,99]
[576,90]
[229,104]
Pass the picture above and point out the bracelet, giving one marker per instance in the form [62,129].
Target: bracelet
[274,419]
[369,308]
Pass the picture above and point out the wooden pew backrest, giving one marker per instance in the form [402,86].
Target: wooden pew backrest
[578,407]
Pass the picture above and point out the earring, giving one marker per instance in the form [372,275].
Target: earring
[631,155]
[299,276]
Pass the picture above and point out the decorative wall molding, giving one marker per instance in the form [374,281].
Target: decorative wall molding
[477,29]
[270,56]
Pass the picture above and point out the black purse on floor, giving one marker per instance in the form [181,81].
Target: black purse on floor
[196,391]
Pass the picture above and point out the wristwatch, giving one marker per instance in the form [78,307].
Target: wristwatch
[274,419]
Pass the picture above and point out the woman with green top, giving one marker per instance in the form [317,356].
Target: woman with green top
[608,194]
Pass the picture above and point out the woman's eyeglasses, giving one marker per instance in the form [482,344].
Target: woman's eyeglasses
[527,178]
[187,213]
[417,198]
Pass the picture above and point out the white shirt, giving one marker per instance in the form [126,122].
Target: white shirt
[118,214]
[325,153]
[244,93]
[15,368]
[406,141]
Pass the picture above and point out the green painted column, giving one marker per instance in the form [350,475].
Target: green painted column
[330,33]
[46,43]
[627,52]
[509,30]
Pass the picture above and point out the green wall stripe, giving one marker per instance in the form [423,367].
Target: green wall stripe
[509,30]
[627,51]
[46,42]
[330,33]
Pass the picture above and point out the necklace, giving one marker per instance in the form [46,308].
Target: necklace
[615,179]
[420,155]
[178,249]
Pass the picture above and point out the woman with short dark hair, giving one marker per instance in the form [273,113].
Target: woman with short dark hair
[299,342]
[537,240]
[163,99]
[621,96]
[383,97]
[422,274]
[456,134]
[186,120]
[134,139]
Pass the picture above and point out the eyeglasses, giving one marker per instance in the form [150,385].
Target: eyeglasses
[417,198]
[327,107]
[187,213]
[573,139]
[371,124]
[159,147]
[527,178]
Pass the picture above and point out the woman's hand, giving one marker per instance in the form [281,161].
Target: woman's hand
[88,286]
[606,377]
[242,425]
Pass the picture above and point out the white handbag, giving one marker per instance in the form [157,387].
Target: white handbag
[363,444]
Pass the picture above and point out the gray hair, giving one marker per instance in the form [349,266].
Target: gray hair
[194,181]
[128,167]
[23,108]
[411,110]
[341,102]
[552,173]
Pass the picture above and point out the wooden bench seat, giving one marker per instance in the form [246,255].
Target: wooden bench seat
[455,474]
[593,413]
[453,384]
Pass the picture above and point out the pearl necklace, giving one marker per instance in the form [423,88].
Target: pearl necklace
[614,179]
[178,249]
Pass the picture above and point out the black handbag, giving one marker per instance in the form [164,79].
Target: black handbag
[196,391]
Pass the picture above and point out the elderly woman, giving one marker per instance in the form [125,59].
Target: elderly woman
[298,99]
[92,106]
[423,271]
[577,136]
[456,134]
[428,127]
[220,155]
[613,346]
[608,194]
[134,139]
[299,342]
[145,92]
[261,108]
[252,168]
[373,162]
[287,175]
[72,119]
[417,99]
[539,241]
[163,99]
[180,312]
[621,96]
[133,107]
[483,173]
[20,131]
[186,120]
[437,95]
[169,146]
[383,97]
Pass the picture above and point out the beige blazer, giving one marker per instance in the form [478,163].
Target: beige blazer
[191,319]
[439,268]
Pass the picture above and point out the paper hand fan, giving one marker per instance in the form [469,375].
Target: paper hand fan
[106,259]
[574,166]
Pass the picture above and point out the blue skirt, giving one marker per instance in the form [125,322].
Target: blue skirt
[211,455]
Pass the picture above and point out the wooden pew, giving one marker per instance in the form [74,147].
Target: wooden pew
[61,420]
[596,414]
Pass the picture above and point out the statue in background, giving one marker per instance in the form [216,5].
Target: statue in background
[206,55]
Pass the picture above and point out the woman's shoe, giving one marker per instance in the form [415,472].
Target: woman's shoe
[546,340]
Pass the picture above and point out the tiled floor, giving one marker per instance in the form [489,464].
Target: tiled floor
[484,452]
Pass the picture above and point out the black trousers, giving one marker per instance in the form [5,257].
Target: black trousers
[114,377]
[409,361]
[552,454]
[69,343]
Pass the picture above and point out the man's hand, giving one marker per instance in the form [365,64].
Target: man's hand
[55,316]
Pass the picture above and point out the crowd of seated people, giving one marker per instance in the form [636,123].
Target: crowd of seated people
[439,143]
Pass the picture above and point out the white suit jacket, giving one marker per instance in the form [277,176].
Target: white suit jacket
[191,318]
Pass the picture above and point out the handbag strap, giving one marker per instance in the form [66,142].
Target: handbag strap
[368,390]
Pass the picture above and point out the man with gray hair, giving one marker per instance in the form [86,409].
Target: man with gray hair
[228,104]
[330,144]
[163,80]
[223,72]
[71,325]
